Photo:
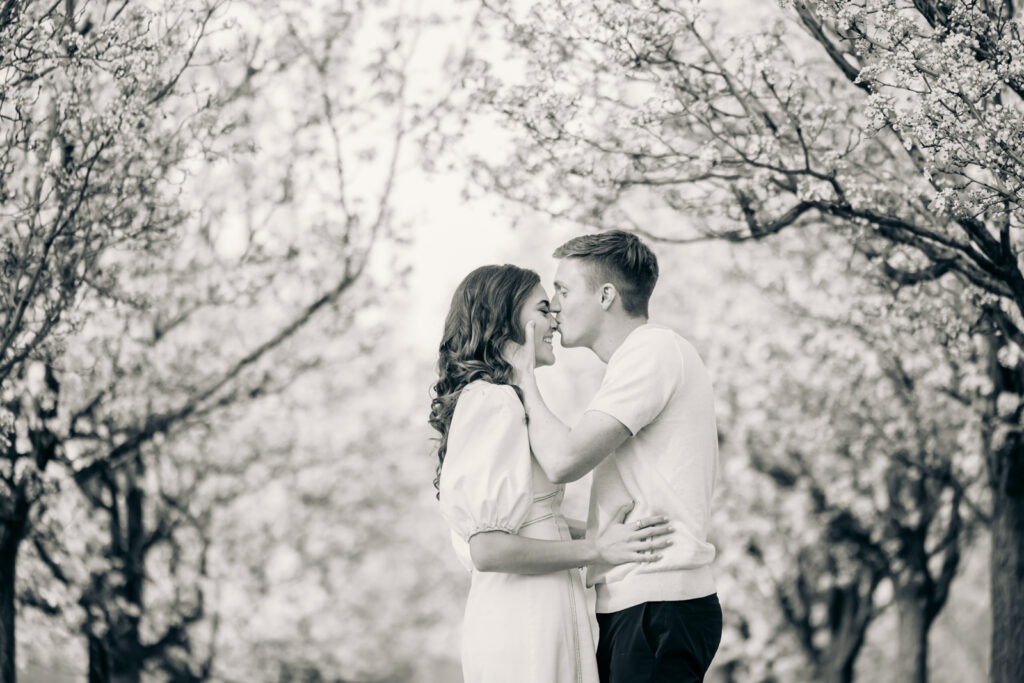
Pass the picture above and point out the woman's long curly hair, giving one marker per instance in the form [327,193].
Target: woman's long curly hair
[483,316]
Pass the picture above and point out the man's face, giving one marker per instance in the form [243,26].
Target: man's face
[576,305]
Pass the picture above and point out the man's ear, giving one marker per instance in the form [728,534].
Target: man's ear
[608,295]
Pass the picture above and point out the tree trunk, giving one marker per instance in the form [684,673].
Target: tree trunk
[1008,563]
[110,661]
[835,672]
[8,562]
[117,656]
[912,655]
[99,662]
[850,614]
[12,532]
[128,667]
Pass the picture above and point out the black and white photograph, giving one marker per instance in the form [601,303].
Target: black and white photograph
[511,341]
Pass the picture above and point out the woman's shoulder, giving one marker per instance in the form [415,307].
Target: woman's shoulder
[483,391]
[486,408]
[482,398]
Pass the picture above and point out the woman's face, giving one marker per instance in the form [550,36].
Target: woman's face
[538,309]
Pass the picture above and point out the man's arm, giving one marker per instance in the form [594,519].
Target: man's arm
[564,454]
[567,454]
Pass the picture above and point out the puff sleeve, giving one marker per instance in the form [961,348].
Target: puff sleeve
[486,479]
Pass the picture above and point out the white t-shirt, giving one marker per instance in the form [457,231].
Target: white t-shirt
[657,386]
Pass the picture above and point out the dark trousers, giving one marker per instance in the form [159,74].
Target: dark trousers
[659,642]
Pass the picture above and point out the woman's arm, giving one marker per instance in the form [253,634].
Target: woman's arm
[498,551]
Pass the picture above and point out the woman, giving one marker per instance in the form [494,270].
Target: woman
[526,618]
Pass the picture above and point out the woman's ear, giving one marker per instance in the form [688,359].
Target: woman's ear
[608,295]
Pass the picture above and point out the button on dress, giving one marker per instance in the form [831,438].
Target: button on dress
[517,628]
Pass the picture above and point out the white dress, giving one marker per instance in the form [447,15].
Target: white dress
[518,628]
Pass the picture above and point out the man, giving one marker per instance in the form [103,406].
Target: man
[650,436]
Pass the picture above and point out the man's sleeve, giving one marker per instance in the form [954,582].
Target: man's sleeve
[641,377]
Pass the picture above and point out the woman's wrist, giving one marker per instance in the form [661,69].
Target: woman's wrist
[591,553]
[527,381]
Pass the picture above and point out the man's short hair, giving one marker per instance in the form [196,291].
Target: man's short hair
[620,258]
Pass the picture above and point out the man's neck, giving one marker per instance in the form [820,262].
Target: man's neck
[612,335]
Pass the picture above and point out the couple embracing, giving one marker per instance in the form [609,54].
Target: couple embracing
[649,436]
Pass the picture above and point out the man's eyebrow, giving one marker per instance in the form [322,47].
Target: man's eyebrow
[559,284]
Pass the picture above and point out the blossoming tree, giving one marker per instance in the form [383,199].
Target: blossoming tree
[897,125]
[177,225]
[853,442]
[87,168]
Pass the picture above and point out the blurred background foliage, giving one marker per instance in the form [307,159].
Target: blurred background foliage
[229,233]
